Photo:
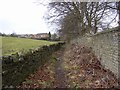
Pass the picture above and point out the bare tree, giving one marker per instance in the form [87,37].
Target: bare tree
[118,8]
[80,17]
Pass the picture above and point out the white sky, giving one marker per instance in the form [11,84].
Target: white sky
[22,16]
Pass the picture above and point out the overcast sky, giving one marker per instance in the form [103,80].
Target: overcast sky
[22,16]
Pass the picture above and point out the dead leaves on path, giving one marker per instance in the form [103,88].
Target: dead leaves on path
[42,78]
[84,69]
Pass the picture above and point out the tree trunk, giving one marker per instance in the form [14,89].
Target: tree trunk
[118,9]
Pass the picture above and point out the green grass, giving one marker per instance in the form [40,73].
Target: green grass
[11,45]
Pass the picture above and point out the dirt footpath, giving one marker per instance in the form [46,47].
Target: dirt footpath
[59,71]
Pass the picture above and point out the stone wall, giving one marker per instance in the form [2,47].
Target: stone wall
[16,67]
[105,45]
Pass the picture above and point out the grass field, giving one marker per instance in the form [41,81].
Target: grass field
[11,45]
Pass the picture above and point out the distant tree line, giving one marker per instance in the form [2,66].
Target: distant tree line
[12,35]
[53,37]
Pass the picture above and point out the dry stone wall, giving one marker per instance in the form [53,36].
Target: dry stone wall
[106,47]
[16,67]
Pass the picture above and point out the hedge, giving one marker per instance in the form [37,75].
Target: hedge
[15,68]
